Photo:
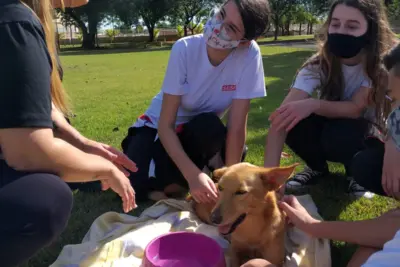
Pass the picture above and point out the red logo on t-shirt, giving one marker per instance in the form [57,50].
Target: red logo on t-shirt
[229,87]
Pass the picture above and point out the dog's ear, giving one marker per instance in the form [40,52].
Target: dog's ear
[218,173]
[274,178]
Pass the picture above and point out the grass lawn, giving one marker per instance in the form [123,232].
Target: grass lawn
[111,89]
[288,38]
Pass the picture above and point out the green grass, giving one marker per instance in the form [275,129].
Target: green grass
[288,38]
[111,89]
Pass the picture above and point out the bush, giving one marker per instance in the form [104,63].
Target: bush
[180,30]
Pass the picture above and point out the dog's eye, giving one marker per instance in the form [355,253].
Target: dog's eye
[241,192]
[220,188]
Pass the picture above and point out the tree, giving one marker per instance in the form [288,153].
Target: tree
[152,11]
[190,13]
[394,9]
[91,15]
[126,11]
[300,17]
[280,8]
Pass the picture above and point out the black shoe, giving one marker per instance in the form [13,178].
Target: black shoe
[305,178]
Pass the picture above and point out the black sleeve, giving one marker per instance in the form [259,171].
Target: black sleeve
[25,68]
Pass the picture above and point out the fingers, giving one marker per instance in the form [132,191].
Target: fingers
[201,197]
[277,113]
[213,191]
[290,212]
[384,183]
[104,185]
[121,158]
[106,153]
[122,169]
[282,120]
[292,124]
[292,201]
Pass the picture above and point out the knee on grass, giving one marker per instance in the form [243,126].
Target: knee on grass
[258,263]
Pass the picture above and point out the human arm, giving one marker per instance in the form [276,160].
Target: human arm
[68,133]
[236,135]
[26,137]
[342,109]
[288,115]
[276,137]
[201,186]
[370,233]
[391,168]
[251,85]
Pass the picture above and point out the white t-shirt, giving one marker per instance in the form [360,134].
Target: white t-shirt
[309,79]
[388,257]
[203,87]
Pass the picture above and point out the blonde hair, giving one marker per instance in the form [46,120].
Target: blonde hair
[43,9]
[381,39]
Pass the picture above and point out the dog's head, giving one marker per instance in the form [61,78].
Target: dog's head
[244,189]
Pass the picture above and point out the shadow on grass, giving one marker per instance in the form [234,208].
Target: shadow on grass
[106,51]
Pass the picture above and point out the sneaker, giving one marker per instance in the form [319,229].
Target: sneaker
[305,178]
[359,191]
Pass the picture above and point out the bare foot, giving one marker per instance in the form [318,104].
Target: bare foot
[157,196]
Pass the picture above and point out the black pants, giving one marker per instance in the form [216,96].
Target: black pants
[318,139]
[34,210]
[367,166]
[201,138]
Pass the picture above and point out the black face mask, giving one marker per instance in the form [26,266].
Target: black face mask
[346,46]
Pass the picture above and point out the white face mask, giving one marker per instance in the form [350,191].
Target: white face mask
[216,36]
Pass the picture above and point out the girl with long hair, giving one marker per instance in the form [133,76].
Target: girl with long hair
[337,96]
[208,75]
[36,158]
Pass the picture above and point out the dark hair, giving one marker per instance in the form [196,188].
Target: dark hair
[381,39]
[391,60]
[255,15]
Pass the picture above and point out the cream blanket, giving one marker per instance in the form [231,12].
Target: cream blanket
[118,240]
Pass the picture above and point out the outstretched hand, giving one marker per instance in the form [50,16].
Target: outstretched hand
[120,160]
[203,189]
[297,214]
[288,115]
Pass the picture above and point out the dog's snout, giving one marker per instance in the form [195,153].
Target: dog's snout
[216,217]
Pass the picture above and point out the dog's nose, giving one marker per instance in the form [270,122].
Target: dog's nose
[216,217]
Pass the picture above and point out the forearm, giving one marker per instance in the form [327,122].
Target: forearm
[63,159]
[273,148]
[65,131]
[371,233]
[234,147]
[336,109]
[173,146]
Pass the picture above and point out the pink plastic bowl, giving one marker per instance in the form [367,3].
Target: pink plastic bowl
[183,249]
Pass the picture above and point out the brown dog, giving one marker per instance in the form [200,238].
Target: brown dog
[247,210]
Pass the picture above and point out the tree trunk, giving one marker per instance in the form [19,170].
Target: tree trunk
[151,32]
[276,33]
[185,30]
[287,28]
[88,37]
[311,28]
[89,40]
[300,29]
